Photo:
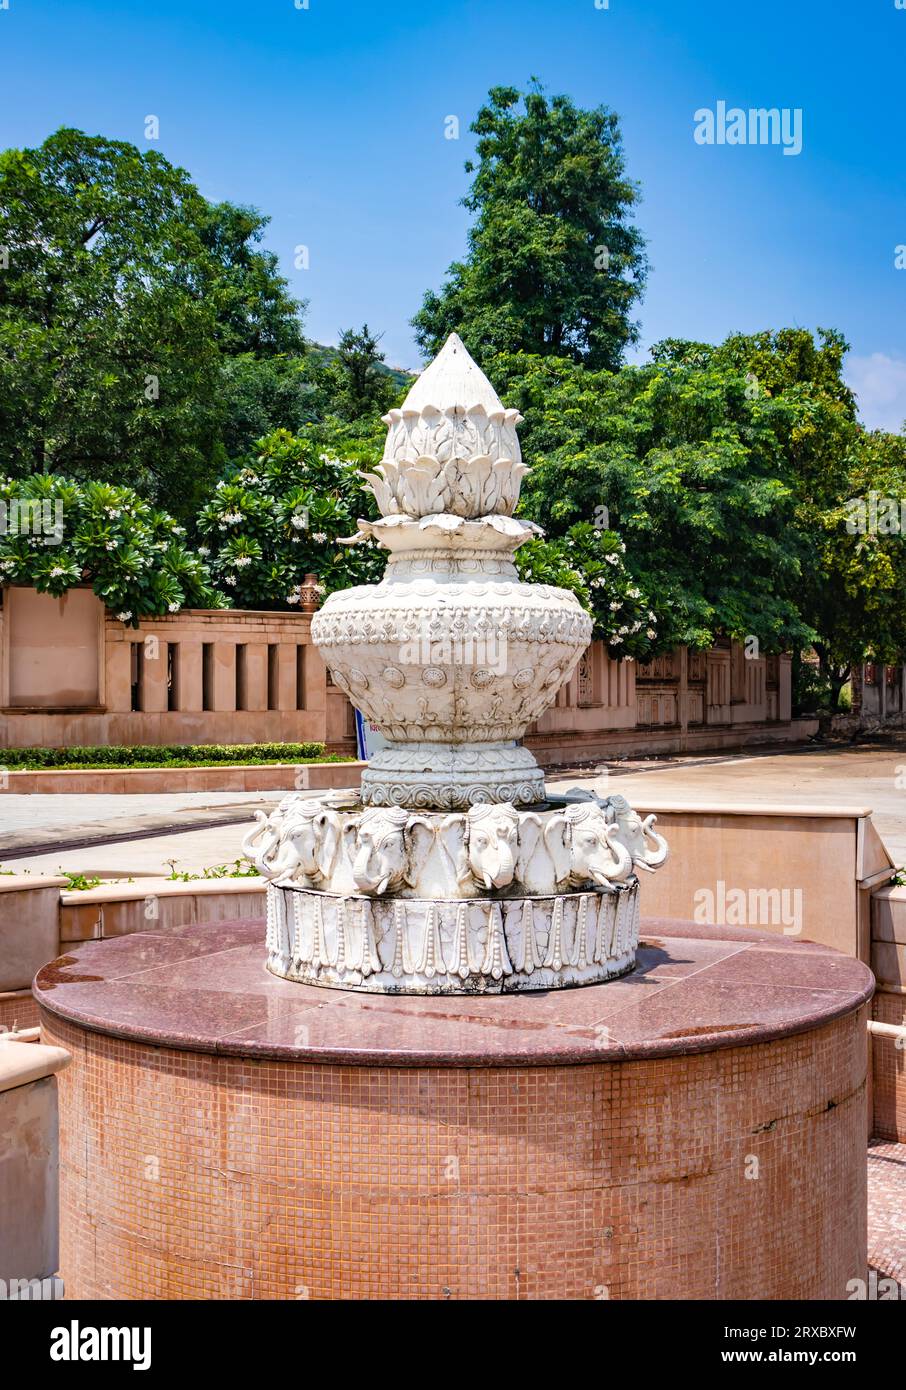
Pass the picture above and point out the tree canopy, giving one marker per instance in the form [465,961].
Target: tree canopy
[121,292]
[727,472]
[555,265]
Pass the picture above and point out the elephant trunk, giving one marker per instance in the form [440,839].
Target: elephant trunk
[506,867]
[360,869]
[656,857]
[623,857]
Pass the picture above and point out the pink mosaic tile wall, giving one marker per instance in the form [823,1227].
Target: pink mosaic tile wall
[889,1069]
[737,1173]
[18,1011]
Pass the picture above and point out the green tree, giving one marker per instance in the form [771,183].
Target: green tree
[353,384]
[555,265]
[121,290]
[688,471]
[854,592]
[262,394]
[731,473]
[254,311]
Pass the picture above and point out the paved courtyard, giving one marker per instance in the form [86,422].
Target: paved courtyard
[200,829]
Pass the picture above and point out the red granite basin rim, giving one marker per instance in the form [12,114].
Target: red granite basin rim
[204,988]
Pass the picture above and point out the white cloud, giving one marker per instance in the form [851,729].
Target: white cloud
[879,382]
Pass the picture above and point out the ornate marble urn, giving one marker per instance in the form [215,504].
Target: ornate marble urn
[454,873]
[451,656]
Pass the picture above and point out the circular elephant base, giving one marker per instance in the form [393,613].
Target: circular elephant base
[693,1131]
[446,946]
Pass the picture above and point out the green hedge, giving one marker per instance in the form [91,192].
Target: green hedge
[166,755]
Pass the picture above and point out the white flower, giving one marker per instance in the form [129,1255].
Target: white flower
[125,616]
[292,598]
[612,559]
[634,593]
[57,569]
[242,560]
[320,537]
[204,550]
[230,579]
[110,545]
[299,520]
[230,517]
[623,547]
[616,639]
[651,633]
[173,607]
[616,605]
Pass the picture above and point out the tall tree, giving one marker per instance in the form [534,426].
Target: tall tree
[355,384]
[121,291]
[555,265]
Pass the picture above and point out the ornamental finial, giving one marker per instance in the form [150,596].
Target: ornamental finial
[453,380]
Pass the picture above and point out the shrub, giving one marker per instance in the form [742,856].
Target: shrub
[165,755]
[279,516]
[59,533]
[590,563]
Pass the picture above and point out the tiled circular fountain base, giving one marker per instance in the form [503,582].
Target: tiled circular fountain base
[695,1130]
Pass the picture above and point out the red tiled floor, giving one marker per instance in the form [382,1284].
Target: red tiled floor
[887,1209]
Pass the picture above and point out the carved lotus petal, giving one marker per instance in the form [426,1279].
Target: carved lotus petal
[444,520]
[381,492]
[417,494]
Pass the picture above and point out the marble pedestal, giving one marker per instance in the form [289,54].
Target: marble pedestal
[695,1130]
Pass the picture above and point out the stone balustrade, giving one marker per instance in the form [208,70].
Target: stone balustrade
[241,676]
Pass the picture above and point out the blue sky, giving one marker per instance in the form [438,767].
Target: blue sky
[331,119]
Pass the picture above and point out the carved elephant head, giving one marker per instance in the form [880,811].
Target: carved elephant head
[491,833]
[649,850]
[377,849]
[309,841]
[534,869]
[585,848]
[262,845]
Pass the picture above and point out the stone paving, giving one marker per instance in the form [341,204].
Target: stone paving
[870,775]
[847,775]
[125,830]
[887,1209]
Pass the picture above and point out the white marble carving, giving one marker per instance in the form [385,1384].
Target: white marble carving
[493,848]
[454,874]
[451,648]
[419,946]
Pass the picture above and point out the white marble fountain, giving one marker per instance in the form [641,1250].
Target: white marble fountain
[454,873]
